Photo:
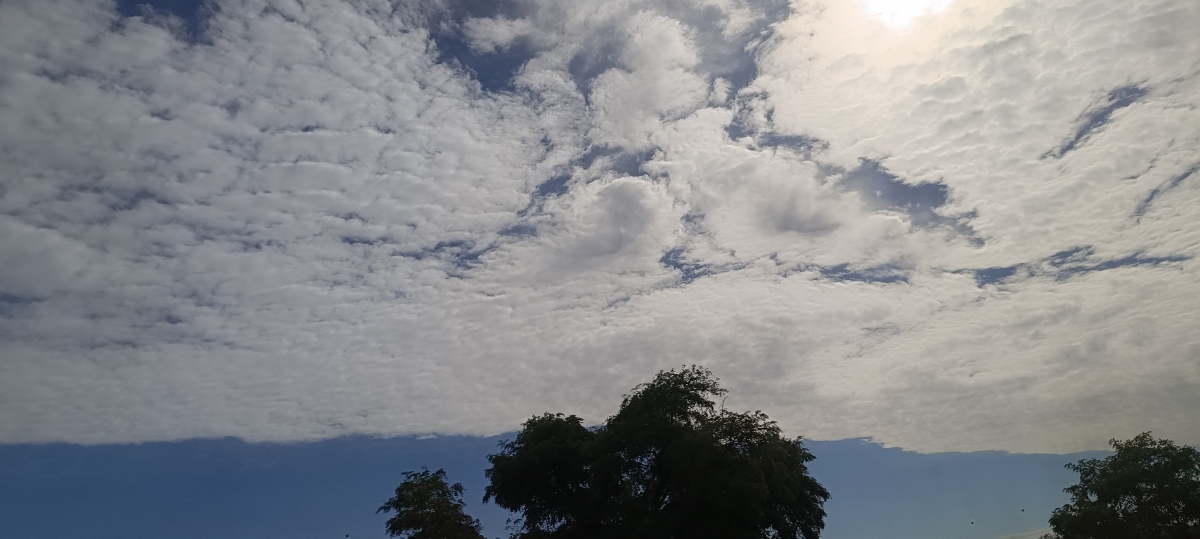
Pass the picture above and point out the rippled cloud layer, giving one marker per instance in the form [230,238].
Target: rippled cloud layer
[290,220]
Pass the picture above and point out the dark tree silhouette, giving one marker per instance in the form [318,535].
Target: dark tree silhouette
[1150,489]
[428,508]
[669,465]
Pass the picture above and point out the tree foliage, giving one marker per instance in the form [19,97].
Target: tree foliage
[1150,489]
[428,508]
[669,465]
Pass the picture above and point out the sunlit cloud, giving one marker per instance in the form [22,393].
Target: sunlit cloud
[376,217]
[899,13]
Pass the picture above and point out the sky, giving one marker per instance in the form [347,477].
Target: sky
[946,226]
[227,488]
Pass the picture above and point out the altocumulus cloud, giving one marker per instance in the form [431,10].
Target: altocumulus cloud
[309,219]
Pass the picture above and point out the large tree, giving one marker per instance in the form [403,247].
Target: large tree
[1149,489]
[427,507]
[670,464]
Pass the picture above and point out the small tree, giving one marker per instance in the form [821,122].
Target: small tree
[428,508]
[669,465]
[1150,489]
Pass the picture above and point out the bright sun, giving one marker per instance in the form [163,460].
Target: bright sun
[900,12]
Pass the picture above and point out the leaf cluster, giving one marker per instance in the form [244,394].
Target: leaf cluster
[1149,489]
[427,507]
[670,464]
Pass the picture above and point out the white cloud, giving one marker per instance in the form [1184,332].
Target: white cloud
[38,262]
[305,225]
[488,34]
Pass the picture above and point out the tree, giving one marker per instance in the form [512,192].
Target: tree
[1150,489]
[428,508]
[669,465]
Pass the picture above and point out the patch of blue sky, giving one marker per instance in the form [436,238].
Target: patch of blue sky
[558,185]
[610,159]
[596,57]
[888,492]
[735,61]
[519,230]
[232,489]
[1136,259]
[494,71]
[461,254]
[616,160]
[688,270]
[986,276]
[881,190]
[225,487]
[1093,120]
[189,12]
[1170,184]
[360,240]
[883,274]
[1070,263]
[184,9]
[802,143]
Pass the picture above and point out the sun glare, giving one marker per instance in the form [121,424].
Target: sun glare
[899,13]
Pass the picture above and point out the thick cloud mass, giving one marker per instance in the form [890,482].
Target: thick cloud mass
[307,219]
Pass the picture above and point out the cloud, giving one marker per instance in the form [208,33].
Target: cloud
[489,34]
[38,263]
[316,219]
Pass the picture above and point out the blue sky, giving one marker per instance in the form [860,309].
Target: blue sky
[231,489]
[250,248]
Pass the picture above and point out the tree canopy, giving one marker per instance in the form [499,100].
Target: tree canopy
[428,508]
[670,464]
[1150,489]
